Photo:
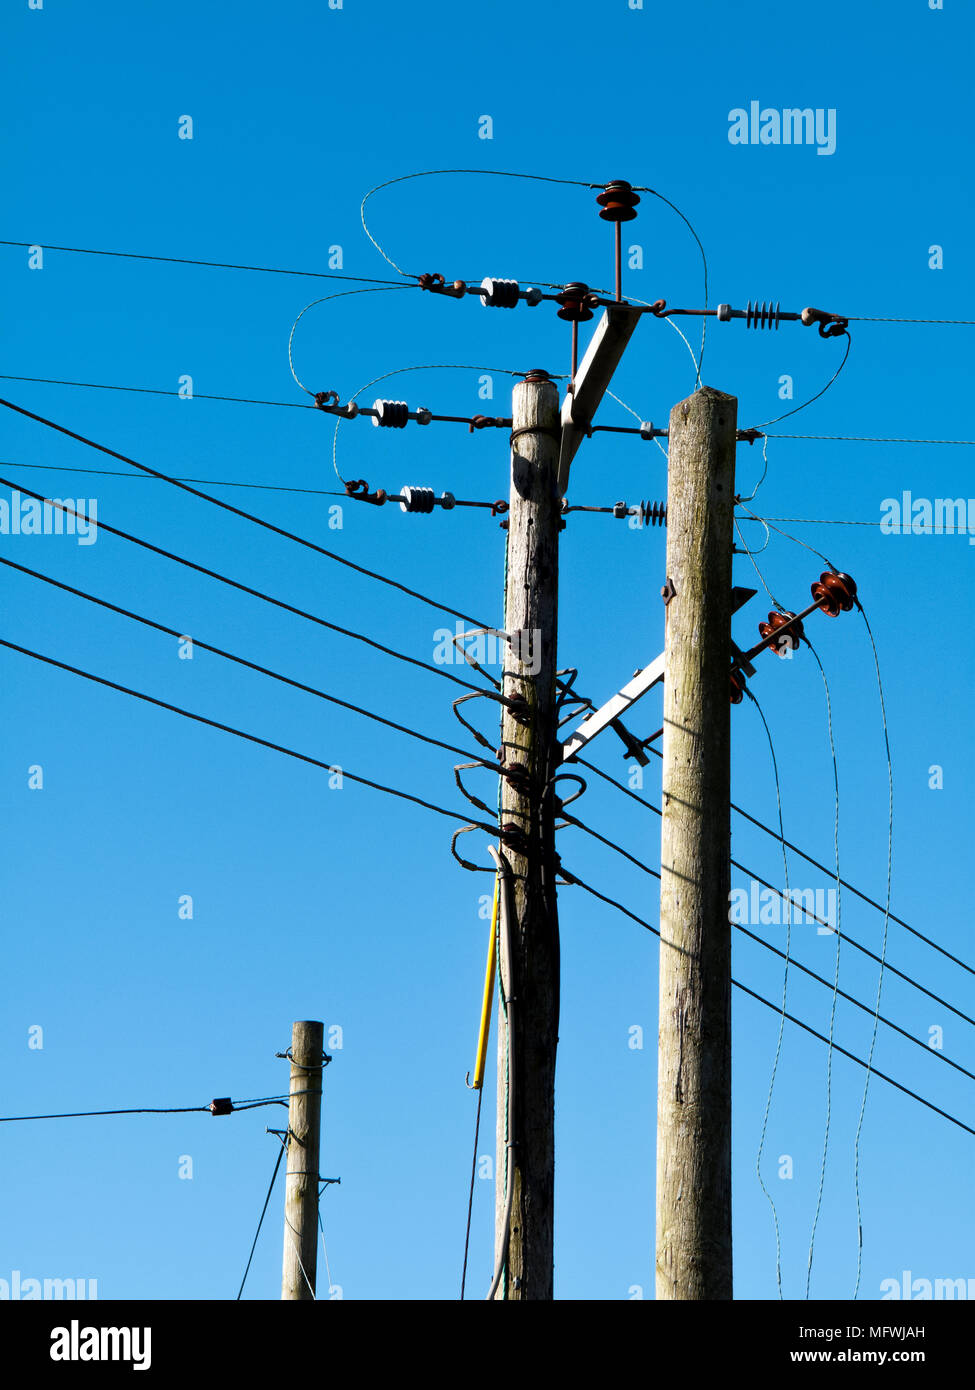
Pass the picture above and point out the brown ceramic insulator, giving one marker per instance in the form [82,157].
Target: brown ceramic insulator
[789,640]
[834,592]
[573,302]
[618,202]
[737,688]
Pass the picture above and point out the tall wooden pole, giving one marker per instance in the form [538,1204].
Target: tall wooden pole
[694,1058]
[301,1188]
[529,741]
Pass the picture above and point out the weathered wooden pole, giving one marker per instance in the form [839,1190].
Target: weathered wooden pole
[693,1255]
[301,1187]
[524,1243]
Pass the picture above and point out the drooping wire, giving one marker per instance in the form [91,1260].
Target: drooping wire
[239,733]
[237,511]
[342,294]
[254,593]
[761,480]
[883,949]
[796,409]
[238,660]
[430,173]
[785,991]
[274,1176]
[836,971]
[704,260]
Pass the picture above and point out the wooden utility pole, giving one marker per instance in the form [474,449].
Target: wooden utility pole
[301,1188]
[694,1058]
[524,1245]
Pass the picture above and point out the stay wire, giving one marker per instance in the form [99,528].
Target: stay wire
[274,1176]
[238,660]
[238,511]
[239,733]
[254,593]
[619,907]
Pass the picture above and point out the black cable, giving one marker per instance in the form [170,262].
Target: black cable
[771,887]
[274,1175]
[470,1195]
[212,265]
[254,593]
[239,660]
[865,897]
[232,482]
[611,902]
[154,391]
[237,511]
[172,1110]
[239,733]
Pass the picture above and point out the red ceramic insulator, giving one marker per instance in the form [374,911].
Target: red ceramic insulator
[789,640]
[834,592]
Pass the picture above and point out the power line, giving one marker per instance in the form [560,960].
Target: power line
[239,733]
[239,660]
[211,482]
[865,897]
[254,593]
[867,439]
[212,265]
[237,511]
[154,391]
[864,950]
[170,1110]
[611,902]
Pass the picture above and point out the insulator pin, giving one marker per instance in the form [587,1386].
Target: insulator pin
[390,414]
[499,294]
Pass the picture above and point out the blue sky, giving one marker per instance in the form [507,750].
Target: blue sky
[344,905]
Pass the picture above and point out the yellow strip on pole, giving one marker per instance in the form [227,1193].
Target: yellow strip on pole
[482,1037]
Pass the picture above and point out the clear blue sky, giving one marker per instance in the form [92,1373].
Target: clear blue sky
[345,905]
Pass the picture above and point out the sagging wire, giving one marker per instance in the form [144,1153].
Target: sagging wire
[704,260]
[836,972]
[785,989]
[795,410]
[341,294]
[883,950]
[761,480]
[430,173]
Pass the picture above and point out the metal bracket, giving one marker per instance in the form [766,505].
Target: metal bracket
[592,379]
